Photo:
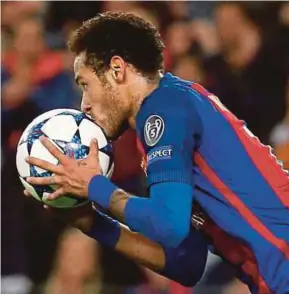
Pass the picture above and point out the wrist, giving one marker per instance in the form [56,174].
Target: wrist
[100,190]
[105,230]
[85,223]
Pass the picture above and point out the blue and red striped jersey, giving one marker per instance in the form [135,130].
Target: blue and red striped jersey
[189,136]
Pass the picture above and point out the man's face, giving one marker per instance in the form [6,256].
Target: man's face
[100,99]
[28,39]
[229,21]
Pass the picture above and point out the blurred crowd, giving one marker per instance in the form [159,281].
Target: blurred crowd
[238,50]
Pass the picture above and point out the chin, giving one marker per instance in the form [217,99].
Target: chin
[112,136]
[119,132]
[109,133]
[105,130]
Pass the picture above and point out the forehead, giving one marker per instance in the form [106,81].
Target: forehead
[79,63]
[81,70]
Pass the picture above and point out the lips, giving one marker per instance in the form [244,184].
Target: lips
[90,116]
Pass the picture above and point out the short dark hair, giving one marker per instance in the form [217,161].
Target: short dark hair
[134,39]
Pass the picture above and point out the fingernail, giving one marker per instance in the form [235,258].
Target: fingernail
[27,158]
[28,180]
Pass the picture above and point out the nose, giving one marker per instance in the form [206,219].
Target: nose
[85,107]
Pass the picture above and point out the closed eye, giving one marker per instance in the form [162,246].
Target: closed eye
[83,86]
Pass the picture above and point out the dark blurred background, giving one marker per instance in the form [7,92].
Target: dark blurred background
[238,50]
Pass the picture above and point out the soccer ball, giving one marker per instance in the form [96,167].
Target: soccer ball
[71,131]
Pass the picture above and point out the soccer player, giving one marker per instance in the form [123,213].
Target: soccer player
[199,157]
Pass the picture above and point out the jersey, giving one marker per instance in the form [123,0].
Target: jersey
[188,136]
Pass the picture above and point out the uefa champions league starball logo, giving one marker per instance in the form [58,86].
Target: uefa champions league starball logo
[153,130]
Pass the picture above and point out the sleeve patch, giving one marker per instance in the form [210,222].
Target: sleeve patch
[153,130]
[159,153]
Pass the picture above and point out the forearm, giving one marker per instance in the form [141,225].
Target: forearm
[118,203]
[141,250]
[149,218]
[117,236]
[111,197]
[164,217]
[184,264]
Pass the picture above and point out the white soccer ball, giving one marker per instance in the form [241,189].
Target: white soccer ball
[71,131]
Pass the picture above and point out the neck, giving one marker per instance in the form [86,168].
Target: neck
[140,91]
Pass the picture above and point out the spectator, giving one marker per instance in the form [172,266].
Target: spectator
[280,137]
[247,72]
[178,42]
[33,81]
[32,72]
[14,12]
[63,17]
[190,68]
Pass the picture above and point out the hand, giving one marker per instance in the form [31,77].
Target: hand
[70,175]
[81,217]
[15,92]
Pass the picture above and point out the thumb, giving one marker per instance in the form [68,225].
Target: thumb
[93,148]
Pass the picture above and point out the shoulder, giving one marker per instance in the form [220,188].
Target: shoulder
[168,112]
[172,102]
[169,97]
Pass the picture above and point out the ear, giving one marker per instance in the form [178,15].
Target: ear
[117,67]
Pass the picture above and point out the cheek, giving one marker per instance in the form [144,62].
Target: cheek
[98,107]
[92,97]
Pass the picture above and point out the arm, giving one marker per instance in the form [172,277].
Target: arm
[190,255]
[184,264]
[165,216]
[17,88]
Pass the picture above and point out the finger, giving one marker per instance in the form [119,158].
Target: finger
[93,148]
[54,180]
[58,193]
[54,150]
[26,193]
[44,164]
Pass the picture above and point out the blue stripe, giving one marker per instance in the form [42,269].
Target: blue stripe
[229,160]
[272,264]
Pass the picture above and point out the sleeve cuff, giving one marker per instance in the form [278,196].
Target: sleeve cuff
[171,176]
[100,190]
[105,230]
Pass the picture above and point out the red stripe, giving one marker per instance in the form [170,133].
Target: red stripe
[175,288]
[240,206]
[140,147]
[237,254]
[263,159]
[260,154]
